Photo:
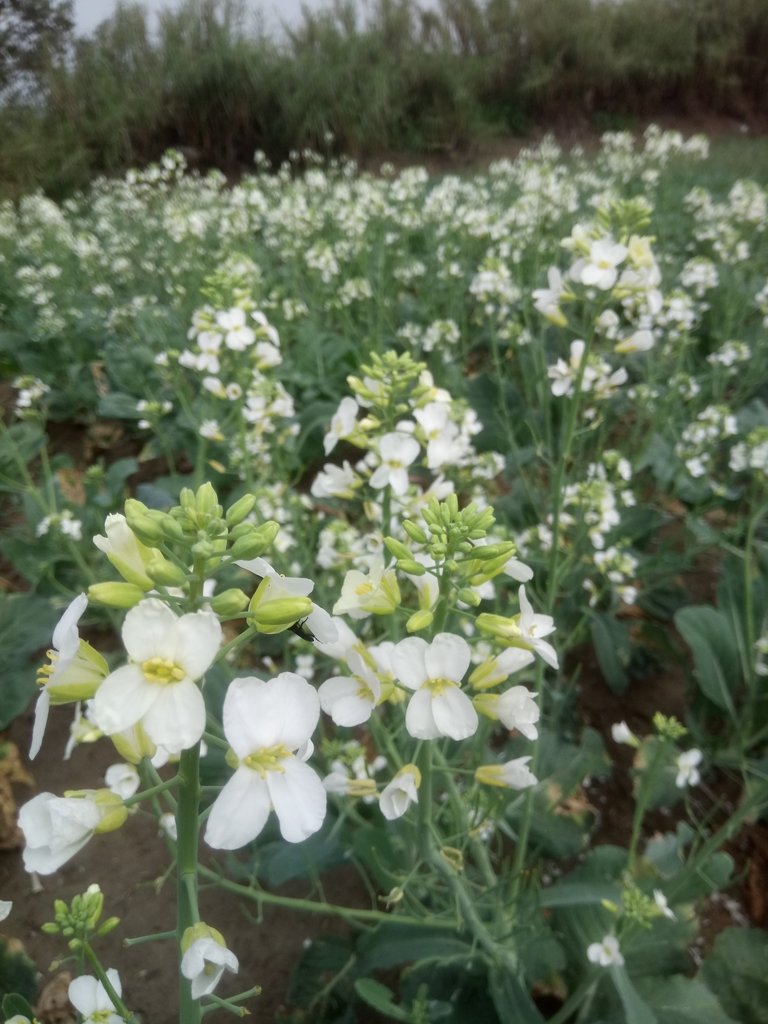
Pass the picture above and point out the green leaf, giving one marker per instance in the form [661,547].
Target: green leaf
[392,944]
[577,894]
[715,654]
[18,978]
[613,649]
[379,997]
[681,1000]
[737,972]
[26,625]
[636,1010]
[118,406]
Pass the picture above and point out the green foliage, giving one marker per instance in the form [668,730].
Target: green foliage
[18,979]
[26,624]
[735,971]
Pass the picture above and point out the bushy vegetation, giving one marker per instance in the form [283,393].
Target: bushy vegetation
[372,473]
[396,77]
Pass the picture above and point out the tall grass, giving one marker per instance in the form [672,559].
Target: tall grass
[392,76]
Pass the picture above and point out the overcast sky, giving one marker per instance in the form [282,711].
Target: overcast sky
[88,13]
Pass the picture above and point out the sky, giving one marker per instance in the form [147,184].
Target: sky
[88,13]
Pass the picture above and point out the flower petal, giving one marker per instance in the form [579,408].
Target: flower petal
[42,708]
[123,698]
[149,631]
[239,812]
[257,714]
[454,713]
[408,662]
[65,636]
[299,799]
[447,657]
[198,638]
[176,719]
[419,720]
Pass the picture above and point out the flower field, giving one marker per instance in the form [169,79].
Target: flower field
[362,515]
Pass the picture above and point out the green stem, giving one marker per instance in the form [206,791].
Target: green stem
[101,974]
[351,914]
[187,827]
[425,800]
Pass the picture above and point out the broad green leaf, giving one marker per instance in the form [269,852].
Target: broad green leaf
[392,944]
[575,894]
[26,626]
[681,1000]
[715,654]
[636,1010]
[613,649]
[737,972]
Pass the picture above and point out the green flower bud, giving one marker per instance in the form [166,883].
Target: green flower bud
[112,809]
[414,532]
[144,526]
[258,540]
[282,613]
[419,620]
[230,602]
[242,507]
[411,567]
[115,595]
[470,597]
[397,548]
[207,502]
[165,573]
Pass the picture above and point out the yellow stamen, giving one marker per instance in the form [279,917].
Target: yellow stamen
[162,671]
[267,759]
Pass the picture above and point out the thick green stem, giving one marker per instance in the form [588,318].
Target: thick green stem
[187,827]
[101,974]
[425,800]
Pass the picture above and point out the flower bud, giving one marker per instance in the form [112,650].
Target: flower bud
[115,595]
[470,597]
[112,810]
[407,565]
[237,512]
[422,619]
[282,613]
[230,602]
[163,572]
[255,542]
[397,548]
[414,532]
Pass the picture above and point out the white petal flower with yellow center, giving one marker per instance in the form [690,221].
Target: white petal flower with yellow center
[396,452]
[605,953]
[398,795]
[514,774]
[362,595]
[349,700]
[268,726]
[90,999]
[73,673]
[205,958]
[434,672]
[158,688]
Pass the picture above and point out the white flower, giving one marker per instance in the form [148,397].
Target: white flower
[205,961]
[125,551]
[621,733]
[533,628]
[688,773]
[268,725]
[74,672]
[514,774]
[158,687]
[335,481]
[398,795]
[547,300]
[89,998]
[55,828]
[122,779]
[377,593]
[349,700]
[396,452]
[342,423]
[438,706]
[516,708]
[600,269]
[606,952]
[661,902]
